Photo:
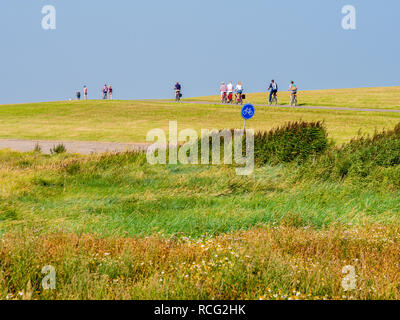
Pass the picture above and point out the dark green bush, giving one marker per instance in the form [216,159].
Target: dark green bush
[294,141]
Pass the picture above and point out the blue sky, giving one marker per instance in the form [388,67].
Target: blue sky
[143,47]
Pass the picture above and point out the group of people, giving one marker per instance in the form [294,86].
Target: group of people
[273,91]
[85,93]
[107,90]
[227,91]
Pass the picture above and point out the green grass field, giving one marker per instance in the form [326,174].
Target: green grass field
[129,121]
[115,227]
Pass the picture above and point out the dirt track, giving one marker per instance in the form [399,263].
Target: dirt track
[72,147]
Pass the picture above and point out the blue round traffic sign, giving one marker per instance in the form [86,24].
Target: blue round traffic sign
[248,111]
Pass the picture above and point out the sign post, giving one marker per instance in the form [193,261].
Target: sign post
[248,112]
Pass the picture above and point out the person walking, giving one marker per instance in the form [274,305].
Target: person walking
[78,95]
[85,92]
[110,92]
[105,91]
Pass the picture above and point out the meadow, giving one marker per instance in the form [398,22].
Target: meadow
[130,121]
[115,227]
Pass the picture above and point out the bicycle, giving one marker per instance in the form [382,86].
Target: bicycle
[224,98]
[239,98]
[230,97]
[293,99]
[178,95]
[274,100]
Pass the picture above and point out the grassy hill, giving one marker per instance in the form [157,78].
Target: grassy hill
[129,121]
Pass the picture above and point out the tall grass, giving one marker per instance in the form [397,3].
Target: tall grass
[293,141]
[366,158]
[115,227]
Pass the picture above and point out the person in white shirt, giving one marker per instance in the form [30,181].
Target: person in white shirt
[239,91]
[239,88]
[230,87]
[230,91]
[273,87]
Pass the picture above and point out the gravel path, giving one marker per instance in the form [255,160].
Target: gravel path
[72,147]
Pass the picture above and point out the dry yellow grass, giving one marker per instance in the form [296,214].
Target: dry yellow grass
[272,263]
[130,121]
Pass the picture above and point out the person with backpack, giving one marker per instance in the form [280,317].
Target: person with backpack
[293,93]
[105,91]
[273,88]
[110,92]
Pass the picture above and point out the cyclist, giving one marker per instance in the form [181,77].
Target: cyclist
[273,88]
[293,91]
[230,91]
[239,92]
[178,89]
[223,89]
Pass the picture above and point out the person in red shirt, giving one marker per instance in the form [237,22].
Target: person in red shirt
[85,92]
[110,92]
